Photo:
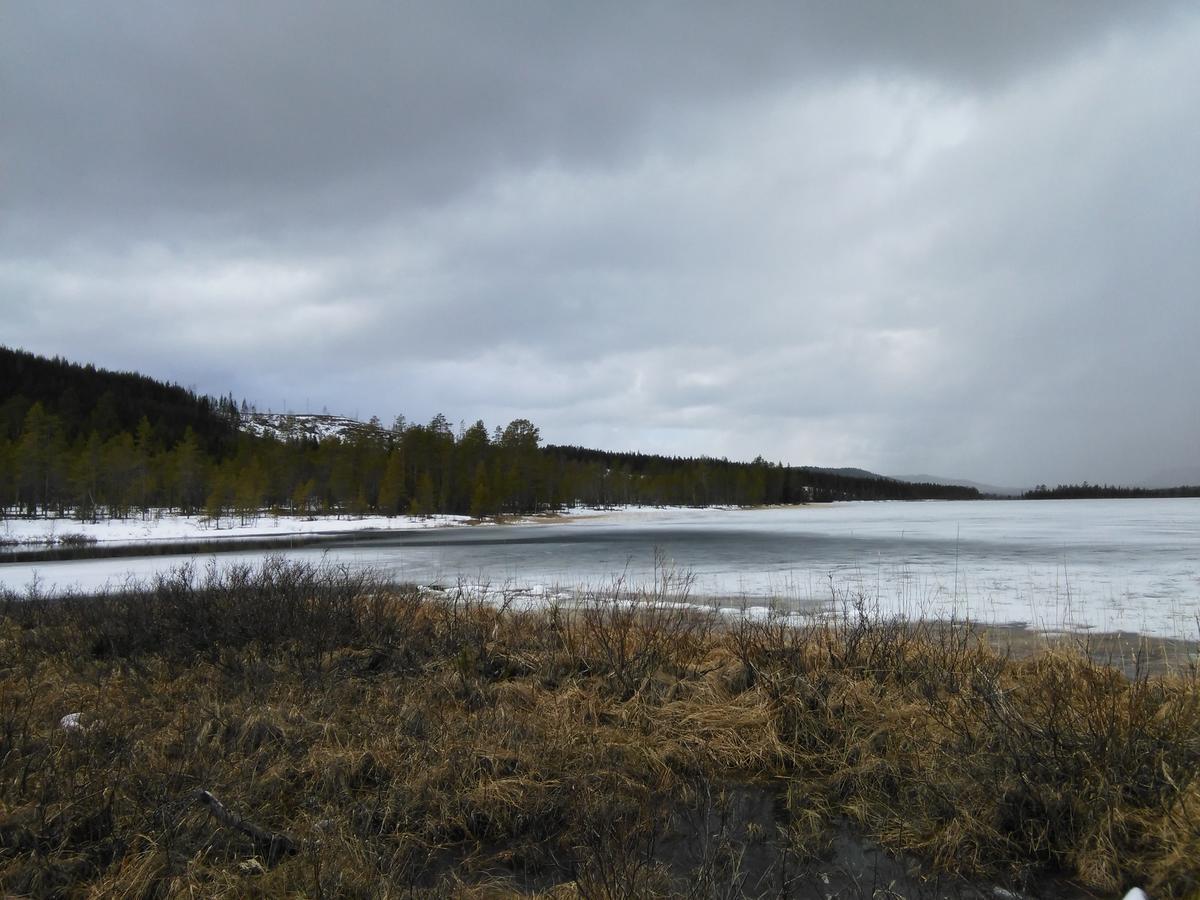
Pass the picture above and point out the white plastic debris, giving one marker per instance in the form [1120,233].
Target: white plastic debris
[71,722]
[1136,894]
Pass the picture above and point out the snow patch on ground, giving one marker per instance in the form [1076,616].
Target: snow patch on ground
[159,527]
[175,528]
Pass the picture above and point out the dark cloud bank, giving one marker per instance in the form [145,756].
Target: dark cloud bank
[959,238]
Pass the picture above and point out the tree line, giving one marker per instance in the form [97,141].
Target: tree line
[1086,491]
[689,481]
[76,440]
[406,469]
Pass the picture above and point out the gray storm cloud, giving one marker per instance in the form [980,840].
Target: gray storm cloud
[951,238]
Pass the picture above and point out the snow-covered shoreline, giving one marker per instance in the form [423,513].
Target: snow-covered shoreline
[172,528]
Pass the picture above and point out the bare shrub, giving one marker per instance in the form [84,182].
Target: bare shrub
[628,634]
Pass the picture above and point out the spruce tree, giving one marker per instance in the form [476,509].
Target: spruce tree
[393,496]
[481,495]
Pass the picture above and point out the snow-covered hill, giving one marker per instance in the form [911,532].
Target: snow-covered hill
[285,426]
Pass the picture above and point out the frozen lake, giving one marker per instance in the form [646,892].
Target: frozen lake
[1108,565]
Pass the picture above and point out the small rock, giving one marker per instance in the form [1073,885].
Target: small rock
[71,722]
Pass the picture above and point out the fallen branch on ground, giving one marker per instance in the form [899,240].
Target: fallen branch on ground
[275,844]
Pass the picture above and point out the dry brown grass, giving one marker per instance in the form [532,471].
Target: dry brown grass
[627,747]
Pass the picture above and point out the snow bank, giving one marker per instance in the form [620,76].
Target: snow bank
[174,528]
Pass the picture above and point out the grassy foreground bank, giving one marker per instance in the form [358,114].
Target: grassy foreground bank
[287,730]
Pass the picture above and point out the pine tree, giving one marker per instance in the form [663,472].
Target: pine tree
[303,496]
[8,487]
[39,459]
[86,477]
[248,495]
[120,467]
[143,476]
[423,502]
[222,488]
[393,495]
[481,495]
[187,473]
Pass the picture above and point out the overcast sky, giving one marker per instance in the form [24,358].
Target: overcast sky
[960,238]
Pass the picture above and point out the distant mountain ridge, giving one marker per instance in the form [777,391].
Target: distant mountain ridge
[853,472]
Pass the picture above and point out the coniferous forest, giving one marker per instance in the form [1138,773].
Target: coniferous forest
[77,440]
[1086,491]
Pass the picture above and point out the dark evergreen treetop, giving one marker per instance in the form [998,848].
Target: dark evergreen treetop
[86,399]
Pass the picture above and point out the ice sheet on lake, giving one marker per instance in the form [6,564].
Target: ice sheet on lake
[1130,565]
